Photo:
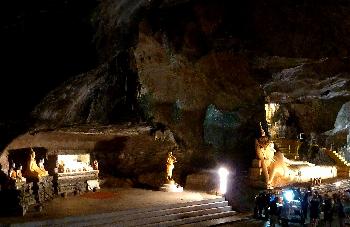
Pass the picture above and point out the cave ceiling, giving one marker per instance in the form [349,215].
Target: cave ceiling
[106,62]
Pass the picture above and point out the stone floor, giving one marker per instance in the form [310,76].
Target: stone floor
[106,200]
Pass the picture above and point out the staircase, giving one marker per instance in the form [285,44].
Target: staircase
[343,167]
[199,213]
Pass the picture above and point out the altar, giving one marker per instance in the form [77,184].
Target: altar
[73,173]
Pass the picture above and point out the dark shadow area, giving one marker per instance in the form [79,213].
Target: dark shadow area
[43,44]
[107,152]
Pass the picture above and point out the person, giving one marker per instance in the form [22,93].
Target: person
[285,211]
[256,206]
[274,211]
[33,170]
[305,203]
[339,208]
[266,204]
[328,211]
[260,204]
[170,165]
[315,209]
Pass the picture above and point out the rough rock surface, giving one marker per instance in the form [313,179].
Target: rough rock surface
[343,117]
[313,90]
[103,95]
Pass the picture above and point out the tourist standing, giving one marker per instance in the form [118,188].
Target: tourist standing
[260,204]
[267,198]
[274,212]
[315,209]
[328,211]
[339,208]
[305,203]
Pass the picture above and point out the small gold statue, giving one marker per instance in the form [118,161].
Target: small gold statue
[12,172]
[170,185]
[60,166]
[170,166]
[20,178]
[33,170]
[95,165]
[41,164]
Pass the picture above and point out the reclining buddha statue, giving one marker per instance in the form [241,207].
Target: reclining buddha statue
[273,163]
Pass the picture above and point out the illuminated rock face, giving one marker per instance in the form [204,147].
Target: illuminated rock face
[343,118]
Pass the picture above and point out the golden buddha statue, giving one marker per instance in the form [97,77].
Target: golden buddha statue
[273,163]
[12,172]
[33,170]
[95,165]
[19,177]
[170,166]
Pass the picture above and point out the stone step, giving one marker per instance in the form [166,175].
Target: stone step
[217,221]
[160,215]
[132,216]
[192,215]
[194,220]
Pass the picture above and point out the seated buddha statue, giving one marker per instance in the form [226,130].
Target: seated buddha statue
[33,170]
[19,177]
[12,172]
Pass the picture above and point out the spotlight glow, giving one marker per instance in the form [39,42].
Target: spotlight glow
[289,195]
[223,173]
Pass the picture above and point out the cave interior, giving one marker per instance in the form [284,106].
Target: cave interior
[128,81]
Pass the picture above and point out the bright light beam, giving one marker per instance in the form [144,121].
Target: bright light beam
[223,173]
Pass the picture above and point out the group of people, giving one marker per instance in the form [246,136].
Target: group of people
[331,206]
[276,208]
